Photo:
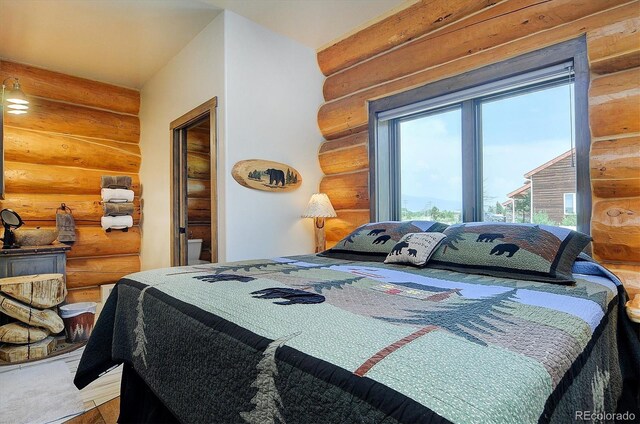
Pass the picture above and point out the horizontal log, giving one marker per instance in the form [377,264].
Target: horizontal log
[118,145]
[615,228]
[198,140]
[21,177]
[629,187]
[66,88]
[608,250]
[503,23]
[64,118]
[615,47]
[90,294]
[86,272]
[407,24]
[617,63]
[86,209]
[615,158]
[94,241]
[629,274]
[348,160]
[614,39]
[614,104]
[57,149]
[199,210]
[201,231]
[128,147]
[346,221]
[200,189]
[347,191]
[346,154]
[345,142]
[198,166]
[349,114]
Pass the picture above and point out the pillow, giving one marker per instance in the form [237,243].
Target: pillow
[415,248]
[372,242]
[521,251]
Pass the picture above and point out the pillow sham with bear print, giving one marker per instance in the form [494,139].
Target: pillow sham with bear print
[415,248]
[372,242]
[520,251]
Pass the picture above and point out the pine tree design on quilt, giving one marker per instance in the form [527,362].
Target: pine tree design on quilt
[349,238]
[466,315]
[598,389]
[141,339]
[262,266]
[454,236]
[330,284]
[267,400]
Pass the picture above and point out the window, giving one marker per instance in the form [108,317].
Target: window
[430,184]
[497,144]
[569,203]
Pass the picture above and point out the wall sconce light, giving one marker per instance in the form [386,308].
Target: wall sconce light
[17,102]
[319,208]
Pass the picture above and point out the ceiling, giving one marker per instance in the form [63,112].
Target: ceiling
[125,42]
[314,23]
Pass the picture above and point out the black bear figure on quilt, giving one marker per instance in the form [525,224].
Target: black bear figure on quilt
[505,248]
[381,240]
[290,296]
[489,237]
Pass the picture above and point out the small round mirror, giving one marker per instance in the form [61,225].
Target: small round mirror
[10,218]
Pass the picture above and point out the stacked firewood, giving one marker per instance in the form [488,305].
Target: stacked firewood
[30,299]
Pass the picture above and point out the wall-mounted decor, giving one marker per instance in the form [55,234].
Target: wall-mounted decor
[266,175]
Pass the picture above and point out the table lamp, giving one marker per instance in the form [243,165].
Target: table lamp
[319,208]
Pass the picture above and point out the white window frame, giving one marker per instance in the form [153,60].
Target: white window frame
[564,203]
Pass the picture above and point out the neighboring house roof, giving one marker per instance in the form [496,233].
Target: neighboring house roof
[527,185]
[548,164]
[520,190]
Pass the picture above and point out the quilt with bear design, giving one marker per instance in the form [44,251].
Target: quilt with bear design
[309,339]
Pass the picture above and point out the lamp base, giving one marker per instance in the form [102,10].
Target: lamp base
[321,243]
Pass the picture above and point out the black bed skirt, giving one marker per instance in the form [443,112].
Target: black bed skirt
[138,403]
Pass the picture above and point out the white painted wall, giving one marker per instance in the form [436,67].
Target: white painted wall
[193,76]
[274,90]
[269,89]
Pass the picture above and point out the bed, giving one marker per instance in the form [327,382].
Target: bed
[313,339]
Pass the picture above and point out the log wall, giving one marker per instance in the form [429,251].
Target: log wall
[76,131]
[436,39]
[199,186]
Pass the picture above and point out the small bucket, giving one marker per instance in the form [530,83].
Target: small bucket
[78,320]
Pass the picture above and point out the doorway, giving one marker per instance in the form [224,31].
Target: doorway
[194,208]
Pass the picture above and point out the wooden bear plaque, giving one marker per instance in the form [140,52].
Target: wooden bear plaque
[266,175]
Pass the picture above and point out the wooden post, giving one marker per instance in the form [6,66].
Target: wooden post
[319,234]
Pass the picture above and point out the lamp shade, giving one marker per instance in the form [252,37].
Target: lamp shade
[319,207]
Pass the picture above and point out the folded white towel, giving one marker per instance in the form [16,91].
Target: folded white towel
[116,195]
[116,222]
